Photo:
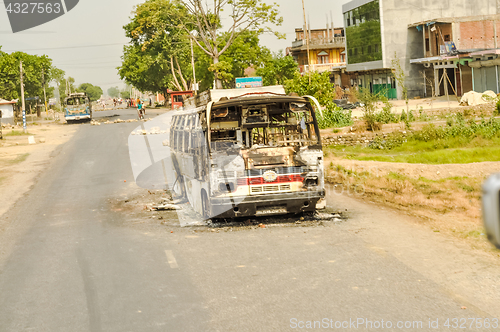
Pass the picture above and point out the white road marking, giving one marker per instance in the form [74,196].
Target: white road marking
[171,259]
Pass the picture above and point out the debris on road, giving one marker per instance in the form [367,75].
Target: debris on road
[152,131]
[95,122]
[166,207]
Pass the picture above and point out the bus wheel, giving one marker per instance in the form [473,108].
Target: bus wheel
[205,205]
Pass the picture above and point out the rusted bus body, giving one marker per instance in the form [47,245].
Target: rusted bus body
[249,155]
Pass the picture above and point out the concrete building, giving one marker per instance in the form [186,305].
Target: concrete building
[380,31]
[326,51]
[7,109]
[461,54]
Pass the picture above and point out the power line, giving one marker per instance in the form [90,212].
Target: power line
[77,63]
[65,47]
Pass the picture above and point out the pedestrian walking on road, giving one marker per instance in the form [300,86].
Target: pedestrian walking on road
[140,110]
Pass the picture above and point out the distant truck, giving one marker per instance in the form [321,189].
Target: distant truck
[77,107]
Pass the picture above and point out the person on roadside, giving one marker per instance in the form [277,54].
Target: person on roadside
[140,110]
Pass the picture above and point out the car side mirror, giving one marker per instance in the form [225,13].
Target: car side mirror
[491,208]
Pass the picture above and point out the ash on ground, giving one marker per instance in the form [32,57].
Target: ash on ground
[160,206]
[320,218]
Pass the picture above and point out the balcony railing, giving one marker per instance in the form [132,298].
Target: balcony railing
[322,67]
[334,42]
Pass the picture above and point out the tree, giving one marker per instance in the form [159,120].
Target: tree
[93,92]
[125,93]
[66,86]
[320,86]
[114,92]
[33,65]
[400,77]
[278,69]
[245,52]
[158,56]
[244,15]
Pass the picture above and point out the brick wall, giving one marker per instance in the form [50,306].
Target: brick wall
[478,34]
[315,34]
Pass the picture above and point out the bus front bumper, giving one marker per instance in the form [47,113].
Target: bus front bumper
[77,117]
[270,204]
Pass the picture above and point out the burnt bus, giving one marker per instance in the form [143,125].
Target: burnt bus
[248,152]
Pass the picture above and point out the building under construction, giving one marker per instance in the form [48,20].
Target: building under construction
[443,47]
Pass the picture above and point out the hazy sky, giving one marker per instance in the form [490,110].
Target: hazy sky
[98,25]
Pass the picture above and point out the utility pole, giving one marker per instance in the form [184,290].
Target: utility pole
[60,100]
[306,33]
[44,94]
[22,96]
[195,88]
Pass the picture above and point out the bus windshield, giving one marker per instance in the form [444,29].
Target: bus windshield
[289,124]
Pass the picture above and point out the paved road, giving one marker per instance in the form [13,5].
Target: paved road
[74,262]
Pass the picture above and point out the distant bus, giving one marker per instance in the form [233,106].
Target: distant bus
[77,107]
[248,153]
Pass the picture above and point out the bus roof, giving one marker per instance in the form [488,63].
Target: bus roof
[259,99]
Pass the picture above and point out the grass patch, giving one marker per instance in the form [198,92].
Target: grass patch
[441,151]
[19,159]
[16,133]
[459,142]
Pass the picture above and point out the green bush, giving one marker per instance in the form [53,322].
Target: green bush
[457,130]
[386,116]
[334,116]
[388,143]
[403,117]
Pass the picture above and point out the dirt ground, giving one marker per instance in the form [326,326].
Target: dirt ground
[446,198]
[21,163]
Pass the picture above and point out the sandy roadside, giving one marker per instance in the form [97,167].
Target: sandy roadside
[21,163]
[447,198]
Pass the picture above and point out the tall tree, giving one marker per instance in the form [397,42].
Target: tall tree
[158,56]
[319,87]
[93,92]
[278,69]
[245,52]
[244,15]
[114,92]
[66,86]
[33,66]
[125,93]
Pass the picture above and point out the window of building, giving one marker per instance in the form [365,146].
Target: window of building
[427,44]
[323,57]
[364,39]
